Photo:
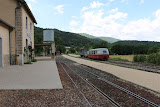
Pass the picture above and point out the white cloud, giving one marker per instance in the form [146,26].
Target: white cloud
[84,8]
[99,23]
[96,4]
[59,9]
[75,17]
[113,10]
[73,23]
[157,13]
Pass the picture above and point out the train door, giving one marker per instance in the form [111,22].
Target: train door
[1,53]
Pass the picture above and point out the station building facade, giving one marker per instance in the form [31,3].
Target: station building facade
[16,31]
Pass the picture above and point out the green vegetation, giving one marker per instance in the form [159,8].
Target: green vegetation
[140,58]
[34,60]
[121,50]
[135,42]
[63,39]
[118,59]
[123,57]
[153,58]
[108,39]
[102,44]
[29,62]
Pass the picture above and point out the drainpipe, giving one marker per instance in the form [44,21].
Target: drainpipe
[10,50]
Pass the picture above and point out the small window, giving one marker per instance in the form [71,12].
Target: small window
[26,23]
[95,52]
[26,43]
[92,52]
[30,27]
[104,52]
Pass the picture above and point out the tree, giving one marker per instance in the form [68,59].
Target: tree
[72,50]
[102,44]
[77,49]
[154,49]
[61,48]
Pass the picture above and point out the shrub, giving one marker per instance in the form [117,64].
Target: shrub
[29,62]
[34,60]
[151,58]
[140,58]
[154,58]
[135,58]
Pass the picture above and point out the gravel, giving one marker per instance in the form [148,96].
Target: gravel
[117,95]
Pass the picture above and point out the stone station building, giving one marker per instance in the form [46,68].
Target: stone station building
[16,31]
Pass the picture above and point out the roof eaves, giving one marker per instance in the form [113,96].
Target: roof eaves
[10,26]
[28,10]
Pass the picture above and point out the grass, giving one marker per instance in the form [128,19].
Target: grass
[122,57]
[118,59]
[22,93]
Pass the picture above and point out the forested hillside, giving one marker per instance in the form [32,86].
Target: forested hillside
[76,41]
[65,38]
[108,39]
[135,42]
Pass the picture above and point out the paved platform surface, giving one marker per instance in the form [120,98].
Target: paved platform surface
[39,75]
[145,79]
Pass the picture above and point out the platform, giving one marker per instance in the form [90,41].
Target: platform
[39,75]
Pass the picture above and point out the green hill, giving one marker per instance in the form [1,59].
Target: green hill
[108,39]
[136,42]
[65,38]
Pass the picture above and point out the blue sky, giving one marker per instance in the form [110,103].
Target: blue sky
[121,19]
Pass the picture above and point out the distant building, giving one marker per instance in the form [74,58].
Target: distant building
[16,31]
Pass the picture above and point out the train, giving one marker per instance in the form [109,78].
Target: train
[99,53]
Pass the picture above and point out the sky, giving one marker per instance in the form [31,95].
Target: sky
[121,19]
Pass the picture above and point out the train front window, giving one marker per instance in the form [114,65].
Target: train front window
[104,52]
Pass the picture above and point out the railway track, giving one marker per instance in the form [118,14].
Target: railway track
[115,104]
[76,86]
[149,103]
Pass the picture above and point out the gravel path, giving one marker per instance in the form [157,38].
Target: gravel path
[145,79]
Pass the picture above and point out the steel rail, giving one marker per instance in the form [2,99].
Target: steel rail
[75,85]
[95,88]
[123,89]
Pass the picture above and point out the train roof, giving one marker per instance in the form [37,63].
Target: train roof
[99,49]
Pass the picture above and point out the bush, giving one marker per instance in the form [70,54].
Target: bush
[154,58]
[135,58]
[34,60]
[140,58]
[29,62]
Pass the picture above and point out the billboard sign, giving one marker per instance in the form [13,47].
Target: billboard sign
[48,35]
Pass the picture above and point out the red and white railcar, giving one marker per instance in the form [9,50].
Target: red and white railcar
[100,53]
